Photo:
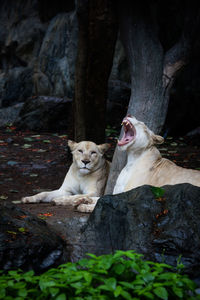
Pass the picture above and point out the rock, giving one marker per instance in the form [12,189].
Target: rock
[10,114]
[55,67]
[45,113]
[160,228]
[195,131]
[21,34]
[38,46]
[26,242]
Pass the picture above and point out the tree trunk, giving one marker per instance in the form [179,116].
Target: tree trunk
[152,71]
[97,38]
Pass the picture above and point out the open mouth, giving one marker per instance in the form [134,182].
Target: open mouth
[129,133]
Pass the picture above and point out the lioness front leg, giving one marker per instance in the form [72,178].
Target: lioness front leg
[41,197]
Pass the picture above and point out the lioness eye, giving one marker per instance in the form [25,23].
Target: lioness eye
[93,152]
[81,151]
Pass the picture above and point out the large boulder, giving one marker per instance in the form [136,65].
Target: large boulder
[161,228]
[45,113]
[26,242]
[38,45]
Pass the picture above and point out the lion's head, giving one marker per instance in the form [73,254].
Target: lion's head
[137,135]
[87,156]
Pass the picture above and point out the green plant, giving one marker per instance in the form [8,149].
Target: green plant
[157,191]
[123,275]
[111,131]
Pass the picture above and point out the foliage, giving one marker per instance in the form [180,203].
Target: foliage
[111,131]
[123,275]
[157,191]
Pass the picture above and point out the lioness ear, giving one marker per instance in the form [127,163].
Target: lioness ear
[103,147]
[72,145]
[157,139]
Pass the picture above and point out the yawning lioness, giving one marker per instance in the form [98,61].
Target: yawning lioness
[145,164]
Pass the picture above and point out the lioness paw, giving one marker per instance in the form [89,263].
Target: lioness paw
[31,199]
[85,208]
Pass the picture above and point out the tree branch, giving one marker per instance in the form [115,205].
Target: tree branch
[178,56]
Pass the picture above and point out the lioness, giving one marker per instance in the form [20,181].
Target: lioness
[145,164]
[86,178]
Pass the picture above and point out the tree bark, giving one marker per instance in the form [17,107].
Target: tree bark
[97,38]
[152,70]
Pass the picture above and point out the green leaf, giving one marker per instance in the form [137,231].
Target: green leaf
[138,281]
[2,293]
[157,191]
[127,284]
[22,293]
[117,291]
[54,291]
[88,277]
[161,292]
[126,295]
[61,297]
[178,292]
[45,282]
[148,277]
[91,255]
[166,276]
[119,269]
[111,283]
[149,295]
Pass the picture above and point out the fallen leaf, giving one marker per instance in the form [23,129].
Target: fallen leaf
[11,232]
[26,146]
[12,163]
[28,139]
[45,214]
[46,141]
[22,229]
[2,197]
[16,201]
[13,191]
[33,175]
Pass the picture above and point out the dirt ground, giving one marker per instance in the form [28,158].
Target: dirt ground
[32,162]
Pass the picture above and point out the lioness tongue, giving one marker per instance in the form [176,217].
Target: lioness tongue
[127,137]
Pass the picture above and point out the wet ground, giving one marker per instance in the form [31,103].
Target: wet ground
[32,162]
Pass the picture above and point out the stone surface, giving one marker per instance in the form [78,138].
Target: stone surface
[45,113]
[26,242]
[9,115]
[160,228]
[38,47]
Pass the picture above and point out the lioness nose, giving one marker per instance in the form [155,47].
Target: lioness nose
[85,162]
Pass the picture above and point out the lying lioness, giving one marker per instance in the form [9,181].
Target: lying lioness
[145,164]
[86,178]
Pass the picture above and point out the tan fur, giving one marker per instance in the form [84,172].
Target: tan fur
[85,180]
[145,164]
